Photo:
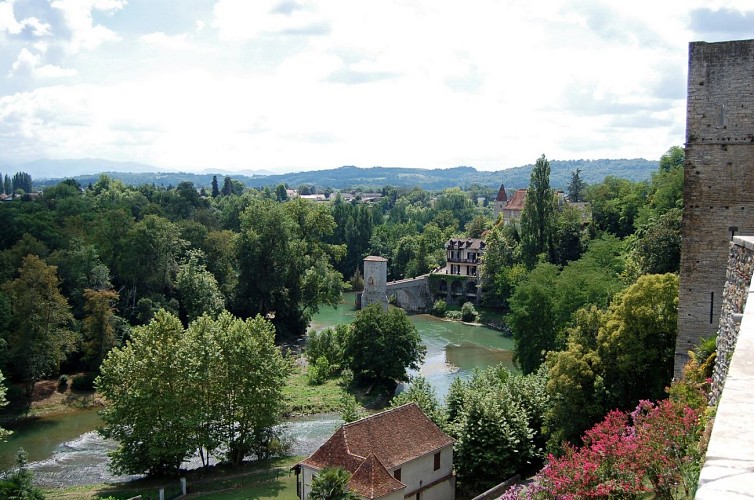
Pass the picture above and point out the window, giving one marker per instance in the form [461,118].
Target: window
[397,474]
[437,461]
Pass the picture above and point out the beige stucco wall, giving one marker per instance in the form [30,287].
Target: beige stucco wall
[419,472]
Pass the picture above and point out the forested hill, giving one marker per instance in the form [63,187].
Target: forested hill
[592,171]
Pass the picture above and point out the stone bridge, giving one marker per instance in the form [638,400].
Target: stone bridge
[411,294]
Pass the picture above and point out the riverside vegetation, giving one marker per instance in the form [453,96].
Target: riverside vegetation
[92,274]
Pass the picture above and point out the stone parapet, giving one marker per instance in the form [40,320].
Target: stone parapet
[728,470]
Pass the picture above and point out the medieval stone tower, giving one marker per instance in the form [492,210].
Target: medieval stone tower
[718,192]
[375,282]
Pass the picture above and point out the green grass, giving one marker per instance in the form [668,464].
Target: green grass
[263,480]
[306,399]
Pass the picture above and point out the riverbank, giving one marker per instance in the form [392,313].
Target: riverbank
[48,398]
[260,480]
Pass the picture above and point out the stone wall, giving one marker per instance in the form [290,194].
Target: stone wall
[735,293]
[728,469]
[718,188]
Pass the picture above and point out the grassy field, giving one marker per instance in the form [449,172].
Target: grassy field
[305,399]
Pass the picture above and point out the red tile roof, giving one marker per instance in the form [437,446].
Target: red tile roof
[517,201]
[393,437]
[372,480]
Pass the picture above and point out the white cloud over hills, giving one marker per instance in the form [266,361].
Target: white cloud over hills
[290,85]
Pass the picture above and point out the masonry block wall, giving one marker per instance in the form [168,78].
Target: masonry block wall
[718,184]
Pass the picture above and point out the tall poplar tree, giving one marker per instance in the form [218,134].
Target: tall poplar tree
[538,216]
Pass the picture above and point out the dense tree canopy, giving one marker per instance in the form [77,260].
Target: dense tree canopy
[40,335]
[215,388]
[383,345]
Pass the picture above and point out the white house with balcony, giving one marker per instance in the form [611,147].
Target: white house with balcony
[396,454]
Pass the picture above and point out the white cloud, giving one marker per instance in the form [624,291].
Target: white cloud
[244,20]
[173,42]
[30,64]
[301,84]
[78,17]
[9,23]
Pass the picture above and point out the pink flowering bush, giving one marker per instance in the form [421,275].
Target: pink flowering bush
[650,451]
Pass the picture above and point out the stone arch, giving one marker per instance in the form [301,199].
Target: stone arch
[456,291]
[405,299]
[471,288]
[442,287]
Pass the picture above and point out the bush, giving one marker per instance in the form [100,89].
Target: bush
[327,344]
[439,308]
[63,382]
[349,408]
[346,377]
[83,382]
[319,372]
[454,315]
[468,313]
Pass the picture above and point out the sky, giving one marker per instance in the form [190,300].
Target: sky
[289,85]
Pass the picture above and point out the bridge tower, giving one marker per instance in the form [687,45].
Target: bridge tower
[375,282]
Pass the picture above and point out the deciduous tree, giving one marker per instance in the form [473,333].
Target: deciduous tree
[40,335]
[383,345]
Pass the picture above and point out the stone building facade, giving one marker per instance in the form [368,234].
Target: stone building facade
[718,185]
[375,282]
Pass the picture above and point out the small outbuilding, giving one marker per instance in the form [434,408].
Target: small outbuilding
[396,454]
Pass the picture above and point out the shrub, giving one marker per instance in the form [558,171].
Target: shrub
[468,312]
[319,372]
[327,344]
[654,449]
[63,382]
[84,382]
[454,315]
[349,408]
[439,308]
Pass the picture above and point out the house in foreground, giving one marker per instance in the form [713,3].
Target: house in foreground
[396,454]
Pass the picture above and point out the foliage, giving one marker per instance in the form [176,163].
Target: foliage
[658,245]
[576,187]
[40,337]
[329,345]
[639,339]
[145,385]
[439,308]
[419,391]
[285,273]
[383,345]
[216,386]
[199,291]
[349,408]
[3,390]
[537,216]
[532,317]
[575,383]
[672,159]
[468,312]
[494,418]
[319,371]
[84,382]
[100,325]
[653,449]
[18,484]
[331,484]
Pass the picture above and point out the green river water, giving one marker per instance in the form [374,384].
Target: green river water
[65,449]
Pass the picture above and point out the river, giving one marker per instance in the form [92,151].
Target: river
[65,450]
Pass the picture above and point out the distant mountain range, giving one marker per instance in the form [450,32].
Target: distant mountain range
[88,171]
